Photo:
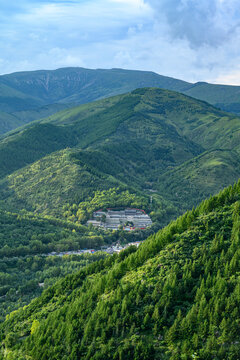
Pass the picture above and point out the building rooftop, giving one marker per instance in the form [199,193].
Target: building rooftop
[129,219]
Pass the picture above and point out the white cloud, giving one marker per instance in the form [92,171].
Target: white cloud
[200,22]
[231,78]
[181,38]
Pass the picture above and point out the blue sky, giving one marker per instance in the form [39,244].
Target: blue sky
[187,39]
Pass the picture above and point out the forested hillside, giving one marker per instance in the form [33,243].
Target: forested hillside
[225,97]
[176,297]
[157,144]
[27,242]
[23,278]
[152,149]
[199,177]
[13,120]
[27,96]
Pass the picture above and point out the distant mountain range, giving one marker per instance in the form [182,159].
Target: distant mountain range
[27,96]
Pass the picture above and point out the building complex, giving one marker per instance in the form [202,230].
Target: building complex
[128,219]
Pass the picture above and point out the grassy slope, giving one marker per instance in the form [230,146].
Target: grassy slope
[175,297]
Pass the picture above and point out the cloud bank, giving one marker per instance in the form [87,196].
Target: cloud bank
[186,39]
[205,22]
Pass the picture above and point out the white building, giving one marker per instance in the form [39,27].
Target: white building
[129,219]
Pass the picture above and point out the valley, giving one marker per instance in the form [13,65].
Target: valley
[83,184]
[119,180]
[141,302]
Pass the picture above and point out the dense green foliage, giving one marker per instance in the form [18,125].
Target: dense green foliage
[22,278]
[200,177]
[111,198]
[176,297]
[151,142]
[25,234]
[25,242]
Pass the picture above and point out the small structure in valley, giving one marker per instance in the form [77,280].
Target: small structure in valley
[128,219]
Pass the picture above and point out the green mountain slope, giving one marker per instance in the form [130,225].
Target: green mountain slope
[176,297]
[12,99]
[13,120]
[8,122]
[24,94]
[84,85]
[20,149]
[50,183]
[25,277]
[200,176]
[128,116]
[147,140]
[81,85]
[226,97]
[71,184]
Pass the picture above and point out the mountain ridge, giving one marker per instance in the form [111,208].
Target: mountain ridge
[139,140]
[30,92]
